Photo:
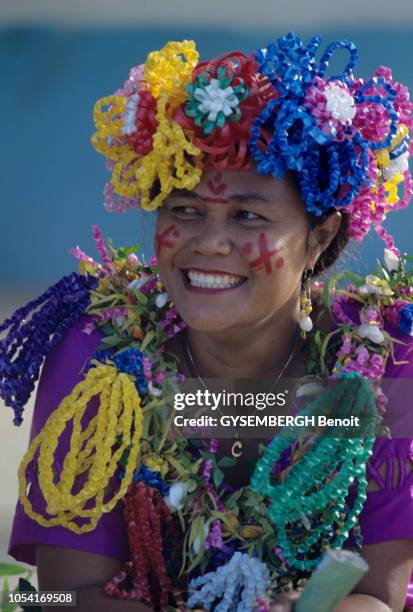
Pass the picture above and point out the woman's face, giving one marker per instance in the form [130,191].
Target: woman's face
[232,252]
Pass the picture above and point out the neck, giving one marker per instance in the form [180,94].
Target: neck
[251,352]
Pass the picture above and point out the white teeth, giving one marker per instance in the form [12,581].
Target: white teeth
[213,281]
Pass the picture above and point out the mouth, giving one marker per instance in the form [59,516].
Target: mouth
[211,280]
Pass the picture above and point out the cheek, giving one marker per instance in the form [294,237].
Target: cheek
[263,255]
[166,239]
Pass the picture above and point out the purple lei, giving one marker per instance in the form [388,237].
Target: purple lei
[28,341]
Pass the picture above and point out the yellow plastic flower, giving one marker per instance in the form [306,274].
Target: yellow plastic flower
[91,451]
[167,161]
[168,70]
[166,74]
[157,464]
[383,155]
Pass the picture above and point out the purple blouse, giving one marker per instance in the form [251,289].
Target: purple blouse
[387,513]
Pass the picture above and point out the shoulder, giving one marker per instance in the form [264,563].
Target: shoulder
[64,368]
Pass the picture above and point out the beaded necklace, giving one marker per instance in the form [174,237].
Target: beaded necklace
[297,502]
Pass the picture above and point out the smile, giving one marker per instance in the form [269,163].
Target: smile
[213,280]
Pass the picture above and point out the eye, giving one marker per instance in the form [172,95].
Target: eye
[248,215]
[185,211]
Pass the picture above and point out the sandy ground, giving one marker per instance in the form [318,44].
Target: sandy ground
[13,443]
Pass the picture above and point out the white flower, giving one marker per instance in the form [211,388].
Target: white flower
[312,389]
[154,390]
[398,164]
[374,286]
[129,126]
[161,299]
[391,260]
[215,100]
[177,492]
[340,103]
[196,546]
[371,332]
[120,320]
[139,282]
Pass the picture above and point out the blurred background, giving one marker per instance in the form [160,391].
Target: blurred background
[58,57]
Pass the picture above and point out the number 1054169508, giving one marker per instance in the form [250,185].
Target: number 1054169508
[44,598]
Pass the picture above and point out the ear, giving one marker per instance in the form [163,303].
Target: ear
[320,237]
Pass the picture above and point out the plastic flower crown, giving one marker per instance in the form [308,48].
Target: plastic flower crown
[348,140]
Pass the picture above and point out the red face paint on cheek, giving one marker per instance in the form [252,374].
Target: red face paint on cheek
[263,261]
[216,188]
[164,240]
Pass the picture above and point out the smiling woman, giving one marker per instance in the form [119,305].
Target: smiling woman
[261,169]
[235,263]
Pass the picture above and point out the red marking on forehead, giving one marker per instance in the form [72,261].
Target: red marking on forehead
[265,254]
[216,185]
[163,239]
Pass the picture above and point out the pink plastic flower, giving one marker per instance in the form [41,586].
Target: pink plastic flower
[332,104]
[368,366]
[381,401]
[347,347]
[392,313]
[370,315]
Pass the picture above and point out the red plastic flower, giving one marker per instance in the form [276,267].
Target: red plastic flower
[227,146]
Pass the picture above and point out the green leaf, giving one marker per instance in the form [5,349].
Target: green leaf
[233,498]
[181,470]
[10,607]
[11,569]
[258,548]
[111,341]
[208,456]
[191,485]
[196,561]
[194,530]
[159,335]
[227,462]
[123,252]
[355,279]
[386,275]
[140,297]
[195,467]
[5,594]
[147,340]
[218,477]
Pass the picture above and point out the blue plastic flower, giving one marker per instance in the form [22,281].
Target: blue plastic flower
[331,170]
[128,361]
[406,319]
[149,477]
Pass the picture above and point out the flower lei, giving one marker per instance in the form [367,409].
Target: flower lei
[185,523]
[347,139]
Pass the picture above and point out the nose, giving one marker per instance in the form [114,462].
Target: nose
[212,238]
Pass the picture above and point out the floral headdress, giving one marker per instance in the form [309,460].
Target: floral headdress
[347,139]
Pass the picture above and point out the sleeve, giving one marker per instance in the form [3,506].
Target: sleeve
[388,511]
[62,370]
